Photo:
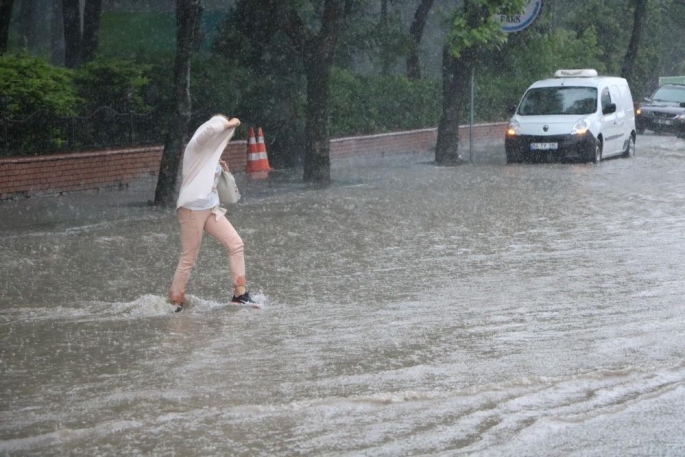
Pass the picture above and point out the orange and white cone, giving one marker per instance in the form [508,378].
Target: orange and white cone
[257,159]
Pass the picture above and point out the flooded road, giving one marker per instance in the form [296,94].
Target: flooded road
[409,309]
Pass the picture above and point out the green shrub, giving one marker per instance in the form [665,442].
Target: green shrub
[29,84]
[218,86]
[117,84]
[35,97]
[364,105]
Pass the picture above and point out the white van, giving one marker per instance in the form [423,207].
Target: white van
[576,114]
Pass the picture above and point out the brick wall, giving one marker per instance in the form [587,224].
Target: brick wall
[411,141]
[100,169]
[70,172]
[415,140]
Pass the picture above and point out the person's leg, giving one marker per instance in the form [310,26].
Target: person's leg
[191,224]
[224,232]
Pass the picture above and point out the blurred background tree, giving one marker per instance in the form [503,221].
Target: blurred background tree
[244,63]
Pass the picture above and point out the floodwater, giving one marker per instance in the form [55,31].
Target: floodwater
[409,309]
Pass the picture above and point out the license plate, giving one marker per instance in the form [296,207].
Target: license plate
[543,146]
[664,121]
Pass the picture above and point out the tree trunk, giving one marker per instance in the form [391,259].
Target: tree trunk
[317,160]
[27,25]
[187,26]
[5,18]
[71,13]
[91,30]
[416,33]
[317,51]
[628,68]
[455,85]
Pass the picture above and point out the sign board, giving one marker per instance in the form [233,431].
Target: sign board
[517,22]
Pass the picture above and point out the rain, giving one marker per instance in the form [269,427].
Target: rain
[408,307]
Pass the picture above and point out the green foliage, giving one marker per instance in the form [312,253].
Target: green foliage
[662,47]
[34,94]
[474,24]
[269,89]
[534,55]
[527,57]
[219,86]
[29,84]
[611,21]
[137,35]
[252,70]
[391,42]
[662,50]
[53,109]
[118,84]
[362,105]
[140,35]
[668,28]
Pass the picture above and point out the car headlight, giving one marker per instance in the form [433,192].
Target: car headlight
[580,128]
[514,128]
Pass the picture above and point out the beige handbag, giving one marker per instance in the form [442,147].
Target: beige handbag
[227,189]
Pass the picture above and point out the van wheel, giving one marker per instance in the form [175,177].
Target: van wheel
[630,150]
[597,157]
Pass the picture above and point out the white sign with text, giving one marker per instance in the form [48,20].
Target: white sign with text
[517,22]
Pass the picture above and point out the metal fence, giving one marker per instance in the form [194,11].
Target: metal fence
[41,133]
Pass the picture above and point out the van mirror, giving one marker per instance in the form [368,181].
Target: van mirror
[609,109]
[512,110]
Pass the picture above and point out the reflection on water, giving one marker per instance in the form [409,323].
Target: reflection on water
[409,309]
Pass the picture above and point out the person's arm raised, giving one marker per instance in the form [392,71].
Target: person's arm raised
[217,125]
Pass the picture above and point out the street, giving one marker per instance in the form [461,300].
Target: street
[409,309]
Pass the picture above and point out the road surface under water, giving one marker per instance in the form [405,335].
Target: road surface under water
[409,309]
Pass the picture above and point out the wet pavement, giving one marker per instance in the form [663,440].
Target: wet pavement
[409,309]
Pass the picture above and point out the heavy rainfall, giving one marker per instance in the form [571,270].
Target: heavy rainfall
[408,307]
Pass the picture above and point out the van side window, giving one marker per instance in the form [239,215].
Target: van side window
[615,95]
[606,98]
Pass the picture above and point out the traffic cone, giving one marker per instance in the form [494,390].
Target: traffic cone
[257,160]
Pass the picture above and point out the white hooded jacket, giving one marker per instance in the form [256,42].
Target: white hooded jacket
[200,159]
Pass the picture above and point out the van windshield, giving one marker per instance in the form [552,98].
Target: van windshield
[559,100]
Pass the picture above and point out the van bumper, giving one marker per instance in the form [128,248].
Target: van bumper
[528,148]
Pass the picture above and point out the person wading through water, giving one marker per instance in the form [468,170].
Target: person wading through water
[198,210]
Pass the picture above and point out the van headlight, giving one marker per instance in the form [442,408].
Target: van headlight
[514,128]
[580,128]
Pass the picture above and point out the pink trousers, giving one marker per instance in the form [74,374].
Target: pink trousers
[193,224]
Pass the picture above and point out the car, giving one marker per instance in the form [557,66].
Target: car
[663,111]
[576,114]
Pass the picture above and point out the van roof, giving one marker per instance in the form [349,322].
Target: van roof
[594,81]
[576,73]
